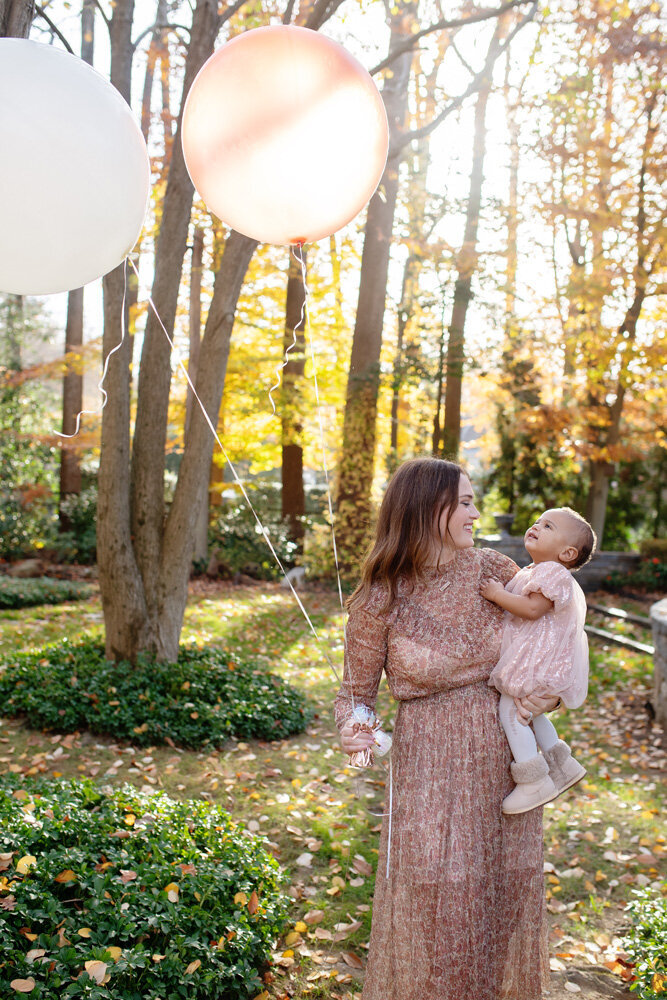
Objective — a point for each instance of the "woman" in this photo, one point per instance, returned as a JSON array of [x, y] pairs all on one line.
[[460, 915]]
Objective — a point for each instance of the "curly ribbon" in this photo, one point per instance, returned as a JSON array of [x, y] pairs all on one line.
[[105, 369]]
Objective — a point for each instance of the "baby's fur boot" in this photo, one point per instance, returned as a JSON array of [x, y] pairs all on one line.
[[534, 787], [564, 770]]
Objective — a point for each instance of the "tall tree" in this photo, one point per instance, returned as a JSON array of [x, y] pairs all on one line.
[[359, 431], [145, 552], [70, 466], [607, 157], [293, 505], [16, 17], [466, 261]]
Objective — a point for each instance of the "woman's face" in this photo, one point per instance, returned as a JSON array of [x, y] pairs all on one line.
[[456, 524]]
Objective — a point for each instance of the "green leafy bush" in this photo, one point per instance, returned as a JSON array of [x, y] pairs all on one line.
[[646, 944], [200, 701], [122, 895], [238, 543], [79, 543], [28, 593]]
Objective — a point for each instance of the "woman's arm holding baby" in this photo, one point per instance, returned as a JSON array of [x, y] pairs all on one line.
[[531, 606]]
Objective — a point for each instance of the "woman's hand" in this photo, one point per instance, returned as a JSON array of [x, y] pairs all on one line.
[[352, 738], [531, 705]]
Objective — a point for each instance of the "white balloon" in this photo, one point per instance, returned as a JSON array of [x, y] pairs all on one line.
[[74, 171]]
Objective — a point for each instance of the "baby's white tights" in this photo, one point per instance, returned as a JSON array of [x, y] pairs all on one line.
[[522, 738]]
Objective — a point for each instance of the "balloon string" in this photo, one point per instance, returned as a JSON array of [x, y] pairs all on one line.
[[279, 370], [238, 482], [299, 257], [105, 369]]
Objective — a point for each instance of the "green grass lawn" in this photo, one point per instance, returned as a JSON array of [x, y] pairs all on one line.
[[319, 817]]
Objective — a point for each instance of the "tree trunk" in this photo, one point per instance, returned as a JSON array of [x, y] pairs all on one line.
[[148, 452], [201, 530], [16, 17], [130, 519], [70, 466], [359, 430], [293, 498], [466, 266], [191, 488]]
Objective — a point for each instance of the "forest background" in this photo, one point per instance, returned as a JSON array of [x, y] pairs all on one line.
[[501, 302]]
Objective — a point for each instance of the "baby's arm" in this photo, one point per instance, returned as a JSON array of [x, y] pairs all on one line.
[[532, 606]]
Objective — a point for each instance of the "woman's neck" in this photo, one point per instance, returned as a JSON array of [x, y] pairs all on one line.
[[440, 557]]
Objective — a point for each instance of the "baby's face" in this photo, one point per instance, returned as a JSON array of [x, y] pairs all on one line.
[[553, 534]]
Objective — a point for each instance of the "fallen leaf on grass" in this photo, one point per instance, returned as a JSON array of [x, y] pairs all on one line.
[[253, 903], [172, 891], [352, 960], [192, 967], [23, 985], [96, 970], [23, 866], [362, 866]]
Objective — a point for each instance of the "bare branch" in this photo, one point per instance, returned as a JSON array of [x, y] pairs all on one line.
[[289, 10], [442, 25], [107, 20], [321, 12], [54, 29], [472, 87], [230, 11]]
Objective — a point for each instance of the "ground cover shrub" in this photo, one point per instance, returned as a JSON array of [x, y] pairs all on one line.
[[123, 895], [237, 540], [202, 700], [79, 542], [42, 590], [646, 944]]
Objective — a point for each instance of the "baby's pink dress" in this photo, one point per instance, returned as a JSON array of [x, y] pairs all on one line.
[[547, 657]]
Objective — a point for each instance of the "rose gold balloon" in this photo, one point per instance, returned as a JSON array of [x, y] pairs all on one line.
[[284, 134]]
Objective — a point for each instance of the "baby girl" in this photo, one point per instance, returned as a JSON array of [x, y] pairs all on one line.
[[544, 652]]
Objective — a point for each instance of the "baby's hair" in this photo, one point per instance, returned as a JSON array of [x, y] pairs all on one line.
[[586, 539]]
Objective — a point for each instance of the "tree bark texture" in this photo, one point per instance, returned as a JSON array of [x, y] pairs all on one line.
[[293, 498], [466, 265], [16, 17], [131, 507], [359, 426], [70, 466], [148, 452], [201, 528]]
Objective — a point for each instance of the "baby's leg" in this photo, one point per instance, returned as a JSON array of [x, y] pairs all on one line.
[[545, 732], [534, 787], [520, 738]]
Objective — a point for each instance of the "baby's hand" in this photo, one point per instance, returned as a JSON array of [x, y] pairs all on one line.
[[490, 588]]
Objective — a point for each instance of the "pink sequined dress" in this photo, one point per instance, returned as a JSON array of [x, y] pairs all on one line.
[[549, 656], [461, 914]]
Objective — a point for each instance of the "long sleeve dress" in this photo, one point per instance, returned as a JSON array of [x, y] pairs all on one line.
[[461, 914]]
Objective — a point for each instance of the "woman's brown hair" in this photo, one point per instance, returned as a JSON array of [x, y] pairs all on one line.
[[418, 493]]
